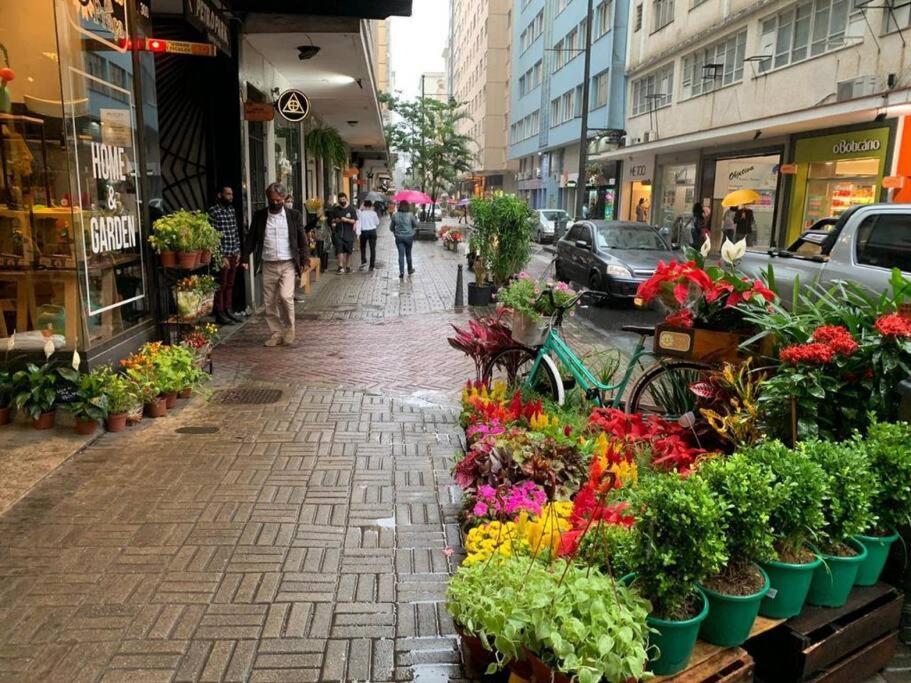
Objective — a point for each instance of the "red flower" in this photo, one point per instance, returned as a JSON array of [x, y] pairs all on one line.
[[838, 338], [682, 318], [894, 325], [761, 290], [810, 354]]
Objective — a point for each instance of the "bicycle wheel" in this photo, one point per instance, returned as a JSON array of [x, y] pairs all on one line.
[[664, 389], [512, 366]]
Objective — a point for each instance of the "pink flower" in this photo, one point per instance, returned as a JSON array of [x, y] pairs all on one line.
[[479, 509]]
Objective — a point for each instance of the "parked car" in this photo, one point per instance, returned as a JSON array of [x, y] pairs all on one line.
[[549, 222], [863, 246], [611, 256]]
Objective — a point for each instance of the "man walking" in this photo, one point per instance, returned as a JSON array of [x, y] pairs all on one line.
[[367, 223], [278, 242], [224, 219], [344, 218]]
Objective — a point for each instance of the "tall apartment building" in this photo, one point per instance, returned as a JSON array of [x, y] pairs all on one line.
[[381, 54], [479, 66], [548, 41], [802, 101]]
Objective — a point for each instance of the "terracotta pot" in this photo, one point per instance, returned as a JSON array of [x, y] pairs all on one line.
[[185, 393], [5, 413], [170, 399], [85, 426], [156, 408], [168, 259], [44, 421], [187, 259], [116, 423], [477, 657], [541, 673], [205, 257]]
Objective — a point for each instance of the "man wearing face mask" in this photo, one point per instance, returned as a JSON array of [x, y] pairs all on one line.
[[224, 219], [278, 243], [344, 218]]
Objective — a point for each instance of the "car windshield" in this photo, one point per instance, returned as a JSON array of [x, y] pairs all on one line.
[[628, 237], [553, 215]]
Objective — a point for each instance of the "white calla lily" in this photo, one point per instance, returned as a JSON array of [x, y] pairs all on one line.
[[77, 361], [49, 348], [706, 248], [731, 252]]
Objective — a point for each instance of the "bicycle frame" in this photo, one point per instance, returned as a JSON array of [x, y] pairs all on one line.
[[556, 347]]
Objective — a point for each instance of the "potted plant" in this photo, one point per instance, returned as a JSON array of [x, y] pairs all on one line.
[[889, 449], [850, 489], [795, 516], [532, 304], [677, 541], [500, 241], [181, 232], [209, 241], [122, 398], [35, 393], [164, 241], [6, 396], [143, 373], [735, 593], [91, 403], [169, 372], [195, 296]]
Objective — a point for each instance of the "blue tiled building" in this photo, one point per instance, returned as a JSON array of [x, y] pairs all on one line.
[[546, 98]]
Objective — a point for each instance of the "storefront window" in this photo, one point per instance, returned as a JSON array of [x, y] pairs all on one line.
[[760, 174], [288, 158], [678, 194], [835, 186]]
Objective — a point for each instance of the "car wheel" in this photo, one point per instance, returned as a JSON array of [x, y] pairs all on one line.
[[596, 283]]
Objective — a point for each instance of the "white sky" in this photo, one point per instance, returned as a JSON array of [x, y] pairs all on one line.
[[418, 42]]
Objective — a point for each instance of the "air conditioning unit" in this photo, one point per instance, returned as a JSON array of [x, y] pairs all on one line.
[[863, 86], [650, 136]]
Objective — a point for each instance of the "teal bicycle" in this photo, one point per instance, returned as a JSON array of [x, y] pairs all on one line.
[[662, 388]]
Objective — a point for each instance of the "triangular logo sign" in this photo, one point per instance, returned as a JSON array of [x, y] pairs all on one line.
[[293, 105]]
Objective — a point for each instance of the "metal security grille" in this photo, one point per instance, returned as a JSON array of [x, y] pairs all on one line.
[[251, 396]]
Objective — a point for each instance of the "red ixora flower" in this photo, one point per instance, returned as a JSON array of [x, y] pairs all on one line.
[[838, 338], [894, 325], [813, 353]]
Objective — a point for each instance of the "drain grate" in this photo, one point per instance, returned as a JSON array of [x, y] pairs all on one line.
[[202, 429], [247, 396]]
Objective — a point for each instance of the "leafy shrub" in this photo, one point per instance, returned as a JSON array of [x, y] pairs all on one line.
[[850, 489], [35, 388], [91, 402], [526, 295], [678, 540], [799, 486], [889, 449], [746, 488]]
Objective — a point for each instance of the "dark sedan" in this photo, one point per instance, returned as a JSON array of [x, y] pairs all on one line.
[[611, 256]]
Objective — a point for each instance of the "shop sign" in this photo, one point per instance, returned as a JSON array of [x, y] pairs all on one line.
[[104, 20], [638, 170], [788, 169], [210, 20], [853, 146], [185, 47], [894, 182], [258, 111], [293, 105]]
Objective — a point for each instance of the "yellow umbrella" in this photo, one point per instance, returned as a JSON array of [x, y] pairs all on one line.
[[740, 198]]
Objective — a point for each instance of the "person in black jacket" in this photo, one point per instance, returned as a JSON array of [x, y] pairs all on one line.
[[278, 242]]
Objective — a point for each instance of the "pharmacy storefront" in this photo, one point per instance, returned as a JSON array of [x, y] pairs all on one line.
[[834, 172]]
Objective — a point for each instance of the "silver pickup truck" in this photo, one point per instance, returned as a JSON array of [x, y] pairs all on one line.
[[863, 246]]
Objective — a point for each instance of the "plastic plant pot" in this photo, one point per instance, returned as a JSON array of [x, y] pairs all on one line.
[[675, 641], [878, 548], [834, 578], [790, 584], [731, 617]]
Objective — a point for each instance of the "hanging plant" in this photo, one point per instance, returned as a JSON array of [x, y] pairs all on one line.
[[326, 143]]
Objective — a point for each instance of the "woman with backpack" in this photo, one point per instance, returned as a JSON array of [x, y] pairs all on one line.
[[404, 225]]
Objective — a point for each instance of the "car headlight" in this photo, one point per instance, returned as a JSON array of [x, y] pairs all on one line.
[[618, 271]]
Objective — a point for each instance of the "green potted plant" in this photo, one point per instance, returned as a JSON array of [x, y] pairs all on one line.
[[735, 593], [209, 242], [91, 403], [532, 303], [182, 232], [122, 398], [168, 372], [889, 449], [677, 541], [164, 240], [794, 519], [144, 377], [35, 393], [847, 511], [6, 396]]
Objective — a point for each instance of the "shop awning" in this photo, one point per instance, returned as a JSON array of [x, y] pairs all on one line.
[[361, 9]]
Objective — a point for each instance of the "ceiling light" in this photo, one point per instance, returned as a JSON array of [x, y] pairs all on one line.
[[305, 52]]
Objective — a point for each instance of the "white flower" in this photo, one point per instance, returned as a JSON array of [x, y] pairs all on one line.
[[49, 348], [77, 361], [706, 248], [731, 252], [11, 342]]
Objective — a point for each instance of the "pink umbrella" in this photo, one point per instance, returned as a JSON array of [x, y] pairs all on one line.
[[412, 196]]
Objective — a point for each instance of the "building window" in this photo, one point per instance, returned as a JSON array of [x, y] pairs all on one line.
[[568, 106], [654, 90], [559, 56], [638, 24], [664, 13], [532, 32], [562, 5], [806, 30], [898, 18], [599, 90], [602, 18], [715, 66], [555, 113]]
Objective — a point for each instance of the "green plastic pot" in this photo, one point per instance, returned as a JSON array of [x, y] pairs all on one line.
[[834, 578], [672, 644], [789, 585], [878, 548], [731, 617]]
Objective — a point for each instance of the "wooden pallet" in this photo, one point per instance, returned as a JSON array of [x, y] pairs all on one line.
[[825, 644]]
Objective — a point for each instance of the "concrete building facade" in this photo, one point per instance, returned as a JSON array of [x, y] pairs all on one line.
[[479, 58], [801, 101], [548, 42]]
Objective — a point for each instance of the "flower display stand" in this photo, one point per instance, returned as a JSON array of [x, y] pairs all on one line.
[[824, 645]]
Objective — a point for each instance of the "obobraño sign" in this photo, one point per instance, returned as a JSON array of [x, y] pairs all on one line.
[[293, 105]]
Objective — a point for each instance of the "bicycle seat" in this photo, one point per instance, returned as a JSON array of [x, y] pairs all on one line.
[[639, 329]]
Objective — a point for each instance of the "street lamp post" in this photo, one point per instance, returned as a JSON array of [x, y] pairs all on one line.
[[583, 133]]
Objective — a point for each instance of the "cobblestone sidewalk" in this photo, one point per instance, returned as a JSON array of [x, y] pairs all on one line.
[[295, 540]]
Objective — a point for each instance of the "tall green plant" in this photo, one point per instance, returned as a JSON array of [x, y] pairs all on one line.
[[501, 239]]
